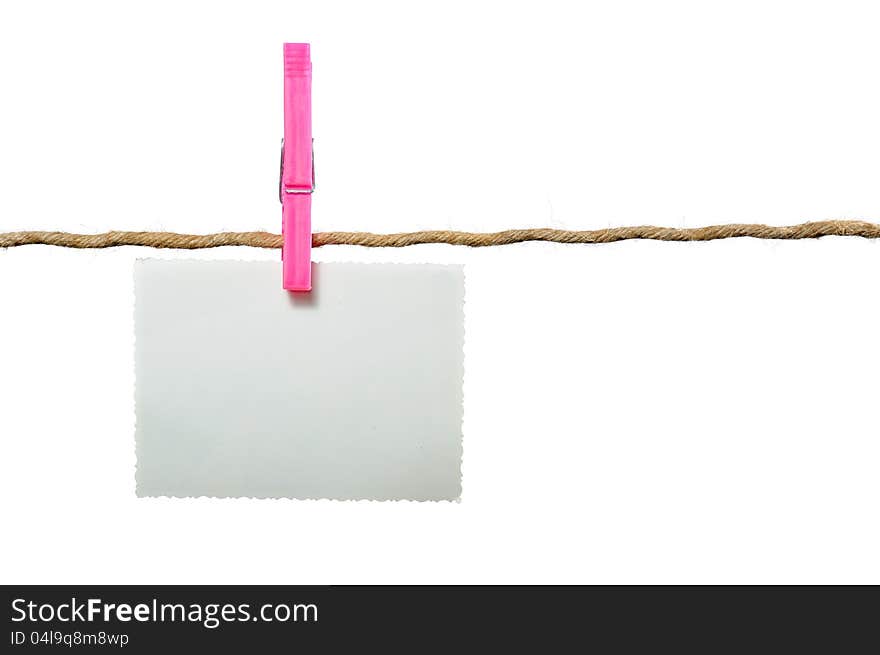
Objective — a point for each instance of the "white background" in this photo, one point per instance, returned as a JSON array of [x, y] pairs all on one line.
[[639, 412]]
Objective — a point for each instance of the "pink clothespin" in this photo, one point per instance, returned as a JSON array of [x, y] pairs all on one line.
[[297, 169]]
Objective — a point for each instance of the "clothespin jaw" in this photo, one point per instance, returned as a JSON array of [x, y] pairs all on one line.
[[297, 169]]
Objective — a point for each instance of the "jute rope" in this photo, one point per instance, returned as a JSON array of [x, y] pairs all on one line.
[[474, 239]]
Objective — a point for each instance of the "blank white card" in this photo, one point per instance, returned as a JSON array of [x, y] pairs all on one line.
[[352, 391]]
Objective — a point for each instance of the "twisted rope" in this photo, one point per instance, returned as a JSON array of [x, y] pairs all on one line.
[[473, 239]]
